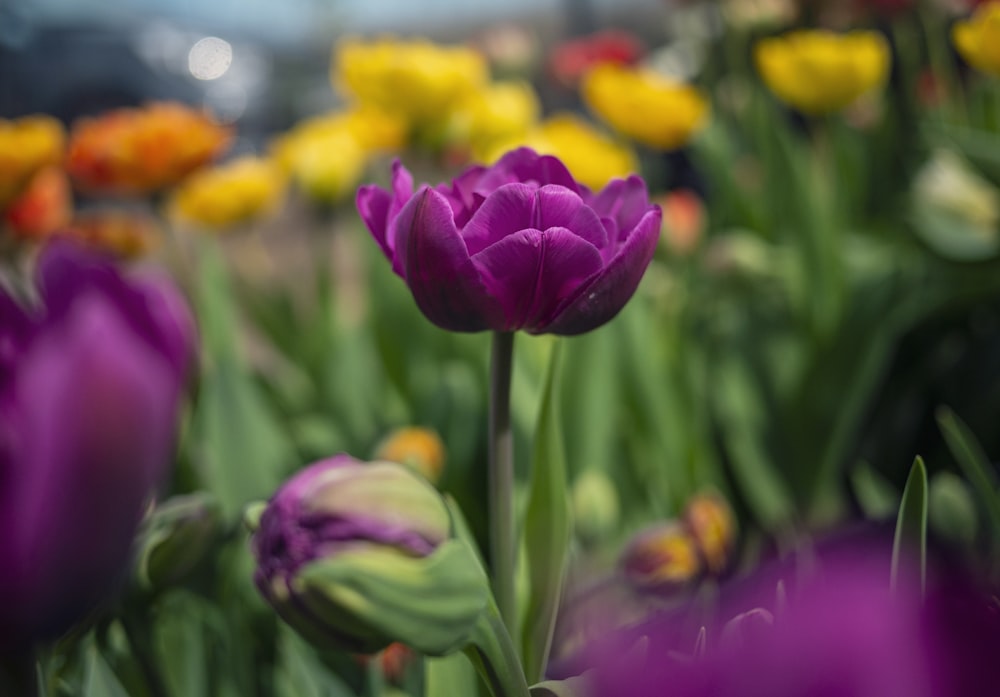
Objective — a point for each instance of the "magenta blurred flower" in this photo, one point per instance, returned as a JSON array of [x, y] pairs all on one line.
[[843, 633], [90, 381], [518, 245]]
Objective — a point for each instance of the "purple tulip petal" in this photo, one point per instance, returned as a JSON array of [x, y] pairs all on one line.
[[606, 294], [153, 308], [444, 281], [378, 207], [556, 206], [373, 205], [525, 165], [93, 411], [507, 211], [533, 271], [623, 200]]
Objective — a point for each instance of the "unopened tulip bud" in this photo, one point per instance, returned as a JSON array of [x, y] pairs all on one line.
[[595, 505], [358, 555], [661, 559], [419, 449], [178, 534], [710, 521]]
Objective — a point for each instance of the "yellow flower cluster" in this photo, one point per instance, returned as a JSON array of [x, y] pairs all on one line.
[[978, 39], [26, 146], [819, 72], [231, 194], [418, 80], [645, 106], [326, 155], [500, 111], [591, 156]]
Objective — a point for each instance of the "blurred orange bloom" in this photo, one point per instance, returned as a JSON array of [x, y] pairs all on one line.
[[43, 207], [26, 146], [126, 233], [139, 151], [683, 220]]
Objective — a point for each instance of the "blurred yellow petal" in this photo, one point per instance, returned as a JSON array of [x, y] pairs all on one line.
[[645, 106], [819, 72], [27, 145], [978, 38], [416, 79], [591, 156], [232, 194], [499, 111]]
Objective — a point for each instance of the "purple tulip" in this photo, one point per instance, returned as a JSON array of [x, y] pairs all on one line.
[[841, 633], [357, 555], [90, 381], [518, 245]]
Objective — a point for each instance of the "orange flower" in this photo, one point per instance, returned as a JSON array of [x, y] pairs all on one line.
[[44, 206], [125, 233], [27, 145], [139, 151]]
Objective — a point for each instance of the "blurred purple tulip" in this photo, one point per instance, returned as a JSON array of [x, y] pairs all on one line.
[[90, 382], [842, 633], [518, 245]]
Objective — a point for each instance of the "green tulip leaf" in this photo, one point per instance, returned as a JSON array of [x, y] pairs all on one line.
[[449, 676], [976, 467], [546, 528], [98, 678], [240, 452], [911, 524]]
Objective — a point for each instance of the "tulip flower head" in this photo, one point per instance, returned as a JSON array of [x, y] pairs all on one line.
[[819, 72], [232, 194], [26, 146], [978, 38], [358, 555], [592, 156], [842, 632], [90, 382], [518, 245], [141, 151], [640, 104]]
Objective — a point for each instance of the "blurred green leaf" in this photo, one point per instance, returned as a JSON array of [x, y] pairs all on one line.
[[546, 527], [300, 673], [179, 638], [911, 524], [952, 510], [742, 410], [450, 676], [876, 496], [98, 678], [976, 466], [239, 449]]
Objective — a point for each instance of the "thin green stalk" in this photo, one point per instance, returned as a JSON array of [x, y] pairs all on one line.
[[493, 654], [18, 673], [139, 641], [501, 466]]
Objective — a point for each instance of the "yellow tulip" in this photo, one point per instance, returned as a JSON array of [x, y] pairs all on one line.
[[819, 72], [645, 106], [499, 111], [26, 146], [978, 38], [592, 157], [327, 155], [231, 194], [419, 80], [420, 449]]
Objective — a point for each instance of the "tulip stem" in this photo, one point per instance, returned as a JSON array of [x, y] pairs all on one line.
[[501, 466], [138, 639], [19, 673], [493, 654]]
